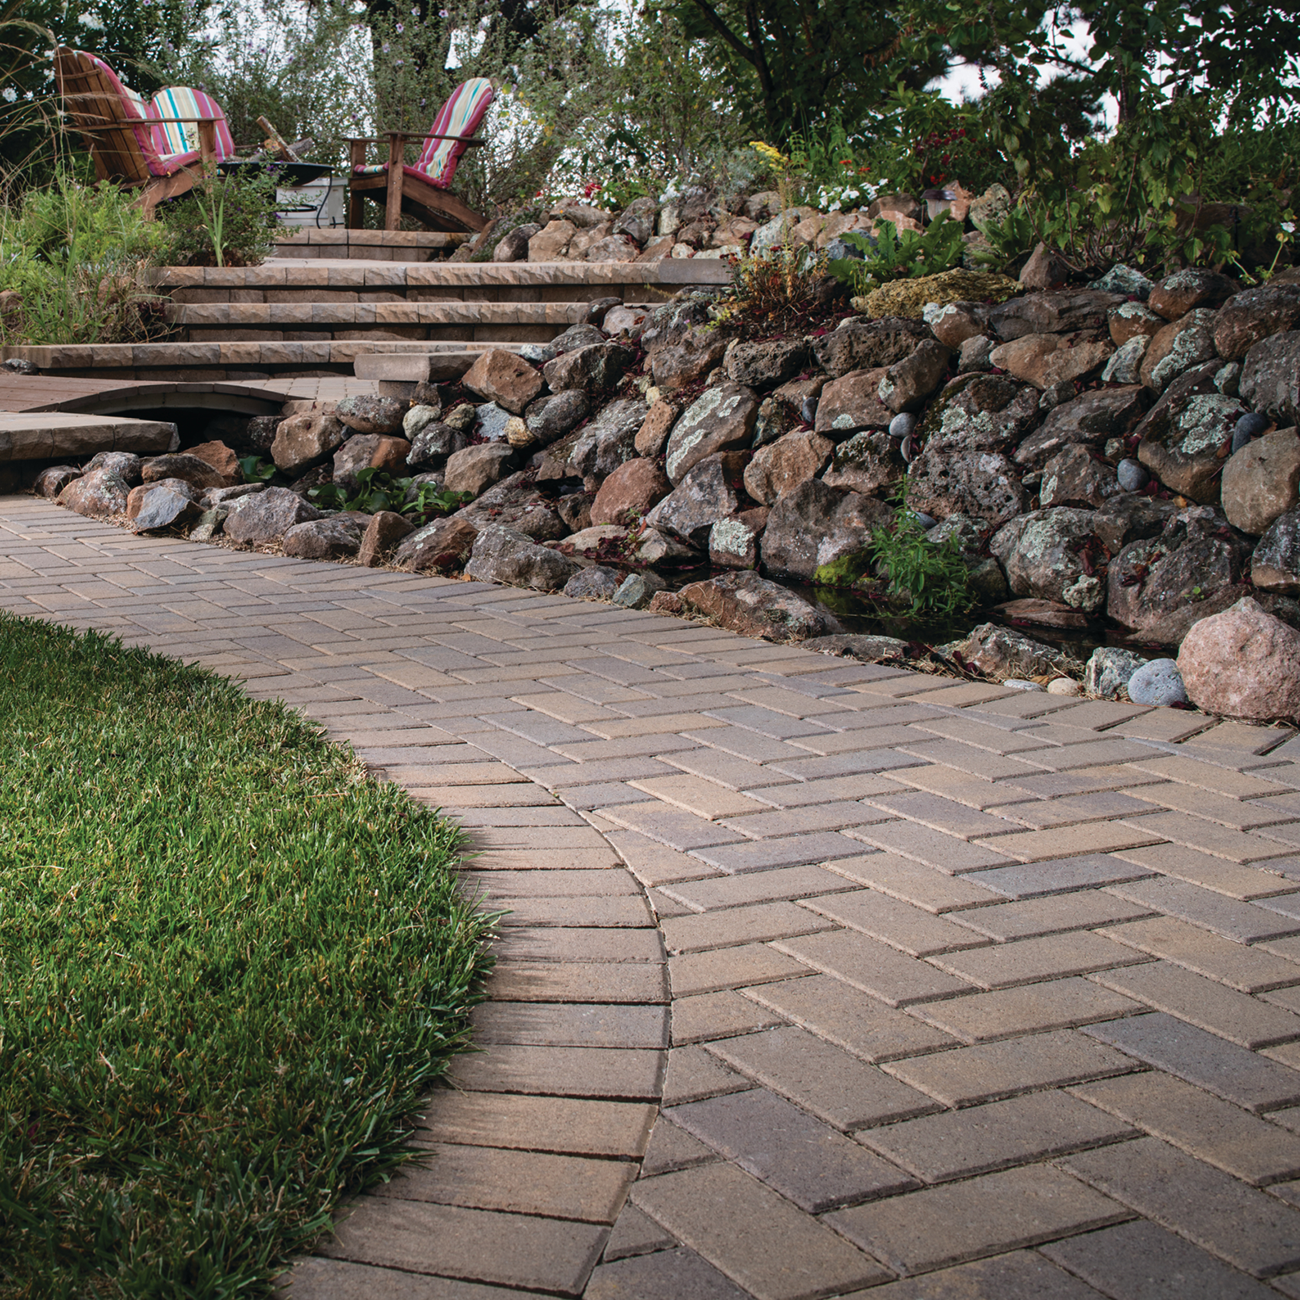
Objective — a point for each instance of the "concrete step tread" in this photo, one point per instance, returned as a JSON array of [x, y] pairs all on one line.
[[324, 315]]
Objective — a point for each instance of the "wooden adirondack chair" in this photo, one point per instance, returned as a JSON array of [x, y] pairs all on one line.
[[422, 191], [152, 146]]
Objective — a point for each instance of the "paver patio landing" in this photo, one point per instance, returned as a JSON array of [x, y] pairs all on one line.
[[819, 979]]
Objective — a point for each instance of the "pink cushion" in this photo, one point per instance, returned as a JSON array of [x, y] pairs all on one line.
[[460, 116]]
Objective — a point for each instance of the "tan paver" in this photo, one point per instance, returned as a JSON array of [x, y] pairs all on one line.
[[896, 929]]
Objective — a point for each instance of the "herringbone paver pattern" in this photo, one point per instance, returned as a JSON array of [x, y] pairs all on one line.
[[819, 979]]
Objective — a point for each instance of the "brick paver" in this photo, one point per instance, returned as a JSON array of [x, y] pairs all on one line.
[[819, 979]]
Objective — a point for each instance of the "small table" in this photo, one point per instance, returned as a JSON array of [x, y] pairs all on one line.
[[287, 176]]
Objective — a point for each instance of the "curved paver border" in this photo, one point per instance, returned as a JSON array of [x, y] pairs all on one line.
[[996, 986]]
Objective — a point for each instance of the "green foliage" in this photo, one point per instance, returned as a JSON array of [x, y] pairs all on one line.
[[931, 579], [772, 289], [231, 963], [76, 257], [899, 254], [377, 490], [256, 470], [227, 219]]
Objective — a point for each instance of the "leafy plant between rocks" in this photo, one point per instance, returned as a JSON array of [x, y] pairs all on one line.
[[378, 490], [894, 254], [226, 220], [931, 577]]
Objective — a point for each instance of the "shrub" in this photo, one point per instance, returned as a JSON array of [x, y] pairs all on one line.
[[226, 220], [929, 579]]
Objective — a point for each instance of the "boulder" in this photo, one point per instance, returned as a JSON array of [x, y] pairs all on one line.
[[859, 344], [1045, 360], [266, 516], [1184, 291], [1270, 377], [552, 242], [1002, 652], [865, 649], [1248, 318], [782, 466], [955, 323], [259, 434], [1157, 683], [630, 492], [766, 364], [624, 322], [1184, 442], [1054, 555], [1058, 311], [868, 463], [515, 502], [441, 545], [1243, 663], [710, 490], [676, 365], [613, 248], [333, 538], [1160, 586], [594, 583], [1180, 345], [221, 458], [385, 529], [734, 541], [125, 464], [608, 440], [549, 418], [368, 413], [980, 413], [1133, 320], [168, 504], [189, 469], [752, 606], [1075, 477], [135, 498], [720, 419], [1109, 669], [97, 494], [1044, 270], [637, 220], [815, 525], [582, 335], [492, 422], [1128, 517], [476, 468], [1275, 565], [52, 480], [852, 402], [984, 485], [638, 589], [514, 244], [502, 555], [593, 369], [652, 436], [907, 383], [1125, 364], [1262, 480], [504, 378], [599, 542], [369, 451], [1089, 419], [434, 443], [306, 439]]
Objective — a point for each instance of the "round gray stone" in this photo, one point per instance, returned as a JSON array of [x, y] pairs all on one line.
[[1157, 682], [1132, 475], [902, 425]]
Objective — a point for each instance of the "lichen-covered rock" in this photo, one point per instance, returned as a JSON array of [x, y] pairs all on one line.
[[955, 323], [907, 383], [189, 469], [1180, 345], [443, 544], [434, 442], [1181, 441], [1159, 587], [52, 480], [734, 541], [478, 467], [1089, 419], [1133, 320], [1262, 480], [1270, 377], [504, 378], [1075, 477], [1002, 652], [503, 555], [852, 402], [1177, 294], [865, 649], [324, 539], [868, 463], [765, 364], [1045, 360], [1058, 311], [125, 464], [1125, 364], [1053, 555], [1255, 314], [608, 440], [368, 413], [753, 606], [266, 516], [710, 490], [911, 297], [549, 418], [369, 451], [1275, 565], [984, 485], [815, 525], [980, 413], [1243, 663], [97, 494], [720, 419], [868, 345], [594, 583], [593, 369], [638, 589], [385, 529], [1109, 670], [781, 466], [1129, 517]]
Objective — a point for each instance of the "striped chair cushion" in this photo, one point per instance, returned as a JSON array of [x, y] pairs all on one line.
[[153, 144], [460, 116], [183, 136]]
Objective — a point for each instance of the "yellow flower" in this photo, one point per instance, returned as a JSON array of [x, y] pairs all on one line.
[[770, 152]]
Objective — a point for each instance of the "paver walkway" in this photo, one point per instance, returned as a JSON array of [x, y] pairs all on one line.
[[820, 978]]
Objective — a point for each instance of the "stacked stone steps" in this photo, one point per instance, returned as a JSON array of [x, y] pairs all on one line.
[[368, 245]]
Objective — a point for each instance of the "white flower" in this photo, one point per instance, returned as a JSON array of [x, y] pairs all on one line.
[[10, 94], [90, 22], [834, 207], [1289, 227]]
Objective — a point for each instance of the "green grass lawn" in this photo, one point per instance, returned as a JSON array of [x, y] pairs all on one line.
[[229, 964]]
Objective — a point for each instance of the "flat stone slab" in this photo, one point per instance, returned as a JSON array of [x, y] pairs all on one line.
[[58, 433]]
